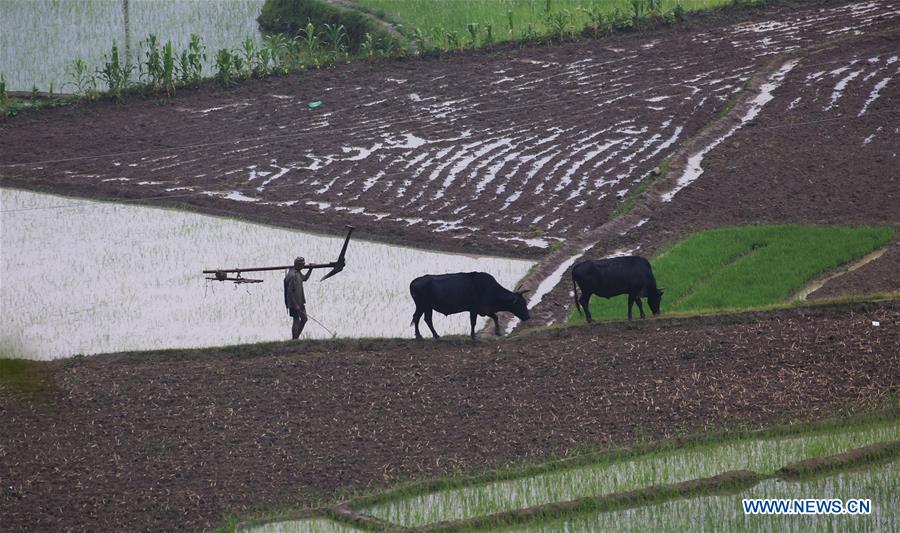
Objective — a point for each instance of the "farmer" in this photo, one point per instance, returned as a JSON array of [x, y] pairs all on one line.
[[293, 295]]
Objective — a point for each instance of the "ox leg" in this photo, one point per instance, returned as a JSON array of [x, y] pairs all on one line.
[[630, 304], [637, 300], [584, 300], [473, 317], [430, 325], [416, 316], [496, 324]]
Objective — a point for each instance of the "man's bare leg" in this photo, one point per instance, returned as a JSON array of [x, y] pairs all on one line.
[[297, 328]]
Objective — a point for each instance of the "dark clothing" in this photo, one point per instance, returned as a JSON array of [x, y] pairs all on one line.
[[298, 313], [293, 290]]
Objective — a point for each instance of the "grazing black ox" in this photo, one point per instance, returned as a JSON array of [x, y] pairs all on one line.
[[475, 292], [629, 275]]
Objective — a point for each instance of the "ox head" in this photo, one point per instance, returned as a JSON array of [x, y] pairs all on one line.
[[519, 305], [654, 299]]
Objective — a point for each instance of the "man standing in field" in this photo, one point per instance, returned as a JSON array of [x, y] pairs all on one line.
[[294, 299]]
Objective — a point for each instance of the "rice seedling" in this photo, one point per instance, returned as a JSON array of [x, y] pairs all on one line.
[[312, 525], [754, 266], [762, 455], [879, 483]]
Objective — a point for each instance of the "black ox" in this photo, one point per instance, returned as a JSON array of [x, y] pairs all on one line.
[[629, 275], [475, 292]]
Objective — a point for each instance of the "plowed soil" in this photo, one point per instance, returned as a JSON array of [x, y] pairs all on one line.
[[176, 440], [491, 152], [823, 151]]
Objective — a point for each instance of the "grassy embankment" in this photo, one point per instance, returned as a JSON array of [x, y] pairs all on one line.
[[745, 267]]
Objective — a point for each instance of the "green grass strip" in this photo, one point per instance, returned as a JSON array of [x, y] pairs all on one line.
[[746, 267], [608, 476], [517, 19], [25, 378]]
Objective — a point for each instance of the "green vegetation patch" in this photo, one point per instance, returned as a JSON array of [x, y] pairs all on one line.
[[311, 525], [880, 483], [474, 23], [746, 267], [24, 378], [610, 475], [292, 16]]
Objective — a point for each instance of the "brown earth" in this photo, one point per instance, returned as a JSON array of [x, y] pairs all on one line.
[[179, 439], [492, 152], [803, 159]]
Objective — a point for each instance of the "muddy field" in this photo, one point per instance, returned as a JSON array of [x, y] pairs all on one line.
[[176, 440], [822, 151], [502, 152]]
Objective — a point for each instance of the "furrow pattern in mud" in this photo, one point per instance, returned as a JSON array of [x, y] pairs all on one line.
[[505, 152]]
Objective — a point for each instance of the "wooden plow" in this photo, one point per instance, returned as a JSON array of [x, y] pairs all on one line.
[[222, 274]]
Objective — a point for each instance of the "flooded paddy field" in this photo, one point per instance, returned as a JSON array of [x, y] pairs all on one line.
[[39, 39], [544, 148], [764, 456], [880, 484], [82, 277], [204, 434]]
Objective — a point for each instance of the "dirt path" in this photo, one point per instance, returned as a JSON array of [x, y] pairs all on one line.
[[176, 440]]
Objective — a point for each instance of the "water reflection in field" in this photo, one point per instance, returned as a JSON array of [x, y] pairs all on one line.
[[82, 277]]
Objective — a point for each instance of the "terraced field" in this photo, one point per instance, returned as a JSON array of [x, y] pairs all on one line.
[[780, 115], [504, 152]]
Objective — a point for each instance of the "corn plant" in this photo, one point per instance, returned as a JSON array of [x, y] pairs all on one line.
[[310, 38], [452, 40], [509, 20], [488, 40], [191, 62], [367, 47], [560, 24], [225, 66], [152, 68], [83, 83], [596, 21], [248, 49], [278, 45], [34, 95], [472, 27], [238, 63], [335, 36], [422, 40], [167, 80], [263, 58], [4, 94], [115, 74], [637, 7]]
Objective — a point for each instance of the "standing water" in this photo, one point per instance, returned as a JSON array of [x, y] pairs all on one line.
[[82, 277], [39, 39]]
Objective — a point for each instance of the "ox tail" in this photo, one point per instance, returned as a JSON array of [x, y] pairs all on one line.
[[575, 290]]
